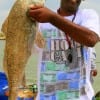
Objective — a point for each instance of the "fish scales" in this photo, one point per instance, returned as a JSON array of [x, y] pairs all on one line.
[[20, 33]]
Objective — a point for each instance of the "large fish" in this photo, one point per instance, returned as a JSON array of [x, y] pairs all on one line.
[[20, 33]]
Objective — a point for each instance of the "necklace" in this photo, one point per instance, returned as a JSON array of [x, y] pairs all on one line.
[[70, 57]]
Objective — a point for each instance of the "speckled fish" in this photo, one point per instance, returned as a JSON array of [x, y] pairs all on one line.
[[20, 33]]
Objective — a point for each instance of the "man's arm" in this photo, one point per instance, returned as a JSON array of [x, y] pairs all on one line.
[[93, 62], [84, 36]]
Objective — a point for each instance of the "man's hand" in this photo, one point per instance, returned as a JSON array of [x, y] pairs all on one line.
[[40, 13], [94, 72]]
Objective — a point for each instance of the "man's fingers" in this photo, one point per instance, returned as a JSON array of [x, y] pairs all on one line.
[[33, 10], [33, 13], [33, 7]]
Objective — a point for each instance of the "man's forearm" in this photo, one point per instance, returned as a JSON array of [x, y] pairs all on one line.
[[78, 33]]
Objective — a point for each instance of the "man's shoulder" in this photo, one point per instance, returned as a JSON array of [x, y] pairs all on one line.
[[87, 12]]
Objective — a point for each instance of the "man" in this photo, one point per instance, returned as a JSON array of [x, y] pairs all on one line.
[[64, 68]]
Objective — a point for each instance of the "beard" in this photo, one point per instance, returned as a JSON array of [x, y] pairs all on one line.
[[72, 10]]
